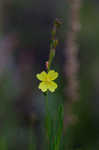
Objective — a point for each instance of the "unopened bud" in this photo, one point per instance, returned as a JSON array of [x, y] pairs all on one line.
[[46, 64], [58, 22]]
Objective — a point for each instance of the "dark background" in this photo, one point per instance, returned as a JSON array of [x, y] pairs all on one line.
[[25, 31]]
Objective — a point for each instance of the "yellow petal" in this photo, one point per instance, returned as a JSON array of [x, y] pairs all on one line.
[[43, 86], [52, 86], [52, 75], [42, 76]]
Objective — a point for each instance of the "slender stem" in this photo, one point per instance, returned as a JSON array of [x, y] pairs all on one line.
[[51, 56], [47, 120], [46, 103], [53, 43]]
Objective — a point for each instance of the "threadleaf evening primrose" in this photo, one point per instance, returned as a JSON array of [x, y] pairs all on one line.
[[47, 81]]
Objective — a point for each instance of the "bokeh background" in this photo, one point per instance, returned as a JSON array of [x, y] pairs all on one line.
[[25, 31]]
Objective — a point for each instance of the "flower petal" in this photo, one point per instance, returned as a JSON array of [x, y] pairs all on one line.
[[52, 75], [43, 86], [42, 76], [52, 86]]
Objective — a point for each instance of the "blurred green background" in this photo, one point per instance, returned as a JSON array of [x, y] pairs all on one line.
[[25, 31]]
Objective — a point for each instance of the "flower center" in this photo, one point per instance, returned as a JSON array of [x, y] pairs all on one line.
[[48, 79]]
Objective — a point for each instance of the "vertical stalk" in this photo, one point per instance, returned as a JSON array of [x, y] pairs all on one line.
[[53, 45], [47, 121]]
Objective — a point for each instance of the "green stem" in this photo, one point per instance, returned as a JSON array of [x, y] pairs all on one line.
[[51, 56], [48, 123], [54, 43], [46, 103]]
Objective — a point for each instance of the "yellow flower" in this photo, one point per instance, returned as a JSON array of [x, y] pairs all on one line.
[[47, 80]]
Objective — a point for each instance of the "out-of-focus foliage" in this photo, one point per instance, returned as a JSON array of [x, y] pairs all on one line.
[[25, 43]]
